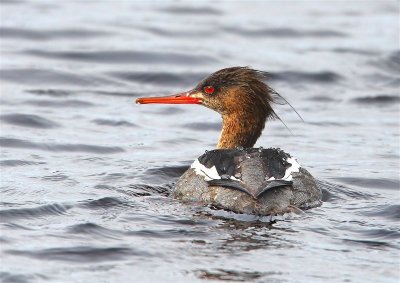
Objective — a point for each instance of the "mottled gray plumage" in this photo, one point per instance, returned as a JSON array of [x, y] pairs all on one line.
[[300, 193]]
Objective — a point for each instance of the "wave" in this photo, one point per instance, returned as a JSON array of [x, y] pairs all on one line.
[[50, 92], [203, 126], [283, 32], [378, 99], [105, 202], [381, 183], [40, 35], [34, 212], [386, 211], [31, 76], [90, 228], [18, 143], [389, 63], [163, 78], [80, 253], [8, 277], [59, 104], [16, 162], [300, 77], [124, 57], [192, 11], [27, 120], [167, 172], [113, 123]]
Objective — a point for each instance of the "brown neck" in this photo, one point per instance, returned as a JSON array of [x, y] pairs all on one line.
[[240, 130]]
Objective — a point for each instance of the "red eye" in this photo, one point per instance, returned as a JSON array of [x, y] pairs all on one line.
[[209, 89]]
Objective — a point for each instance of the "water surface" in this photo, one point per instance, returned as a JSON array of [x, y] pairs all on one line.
[[86, 173]]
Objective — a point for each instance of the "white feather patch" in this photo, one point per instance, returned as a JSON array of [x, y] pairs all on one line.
[[212, 173], [294, 168], [208, 173], [235, 179]]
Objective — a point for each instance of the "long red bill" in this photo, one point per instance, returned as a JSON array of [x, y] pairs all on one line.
[[180, 98]]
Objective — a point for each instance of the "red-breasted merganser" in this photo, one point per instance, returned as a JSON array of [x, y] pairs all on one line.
[[236, 176]]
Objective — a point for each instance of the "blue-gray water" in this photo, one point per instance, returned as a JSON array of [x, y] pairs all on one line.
[[85, 172]]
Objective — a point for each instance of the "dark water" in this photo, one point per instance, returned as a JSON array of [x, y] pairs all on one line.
[[85, 173]]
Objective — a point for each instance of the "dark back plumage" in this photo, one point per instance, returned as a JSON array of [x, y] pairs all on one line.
[[251, 170]]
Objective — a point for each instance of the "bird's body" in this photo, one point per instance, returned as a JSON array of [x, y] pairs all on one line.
[[252, 181], [236, 176]]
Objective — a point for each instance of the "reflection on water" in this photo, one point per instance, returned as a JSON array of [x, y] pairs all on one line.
[[86, 174]]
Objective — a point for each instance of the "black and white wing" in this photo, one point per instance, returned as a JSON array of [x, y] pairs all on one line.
[[251, 170]]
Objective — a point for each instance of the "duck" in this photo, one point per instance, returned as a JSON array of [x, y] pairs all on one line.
[[235, 176]]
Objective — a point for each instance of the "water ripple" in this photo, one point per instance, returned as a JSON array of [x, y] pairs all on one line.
[[375, 237], [50, 92], [169, 110], [283, 32], [355, 51], [93, 229], [118, 93], [383, 99], [347, 50], [320, 98], [386, 211], [335, 192], [34, 212], [81, 253], [230, 275], [7, 277], [40, 35], [15, 162], [299, 77], [368, 243], [157, 78], [371, 182], [62, 93], [203, 126], [124, 57], [13, 2], [167, 233], [165, 174], [27, 120], [105, 202], [192, 11], [32, 76], [56, 177], [121, 123], [390, 63], [18, 143], [177, 33], [59, 104]]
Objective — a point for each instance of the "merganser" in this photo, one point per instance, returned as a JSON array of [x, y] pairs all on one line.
[[235, 176]]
